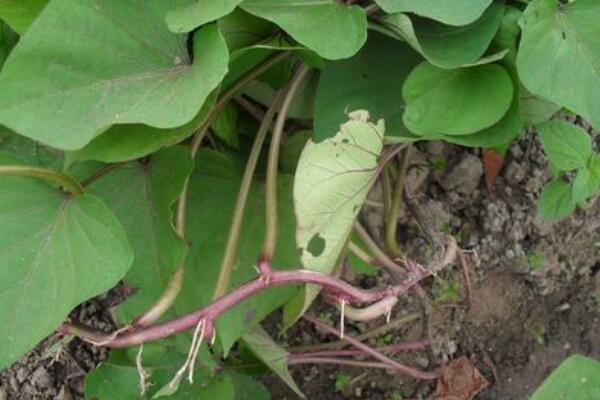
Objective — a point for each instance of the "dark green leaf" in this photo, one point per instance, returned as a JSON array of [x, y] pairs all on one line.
[[291, 150], [362, 83], [8, 39], [455, 102], [19, 14], [331, 29], [559, 55], [566, 145], [225, 125], [214, 186], [141, 195], [191, 16], [57, 251], [451, 12], [556, 201], [124, 75], [577, 377], [241, 29]]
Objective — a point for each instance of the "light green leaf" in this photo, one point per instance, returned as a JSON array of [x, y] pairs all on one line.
[[332, 30], [361, 83], [19, 14], [131, 141], [451, 12], [213, 190], [447, 46], [536, 109], [556, 201], [559, 55], [270, 353], [57, 251], [124, 75], [189, 17], [577, 377], [587, 181], [332, 180], [141, 195], [455, 102], [566, 145]]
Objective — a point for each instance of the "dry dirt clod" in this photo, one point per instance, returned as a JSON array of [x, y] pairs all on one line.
[[460, 380]]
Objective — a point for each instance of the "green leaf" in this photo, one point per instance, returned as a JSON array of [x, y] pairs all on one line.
[[358, 264], [566, 145], [536, 109], [57, 251], [451, 12], [292, 149], [225, 125], [556, 201], [447, 46], [332, 180], [118, 378], [124, 75], [501, 133], [270, 353], [141, 195], [213, 191], [332, 30], [8, 39], [19, 14], [190, 16], [361, 83], [577, 377], [302, 106], [587, 182], [559, 55], [30, 152], [130, 141], [455, 102], [241, 29]]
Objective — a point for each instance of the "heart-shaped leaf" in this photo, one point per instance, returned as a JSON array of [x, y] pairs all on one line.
[[559, 55], [57, 251], [64, 84], [566, 145]]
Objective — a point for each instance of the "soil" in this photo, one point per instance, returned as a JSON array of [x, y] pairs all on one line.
[[533, 299]]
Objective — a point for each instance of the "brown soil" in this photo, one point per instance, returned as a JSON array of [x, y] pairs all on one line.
[[532, 301]]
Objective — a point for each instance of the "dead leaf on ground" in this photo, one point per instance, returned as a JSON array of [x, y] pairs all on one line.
[[492, 163], [460, 380]]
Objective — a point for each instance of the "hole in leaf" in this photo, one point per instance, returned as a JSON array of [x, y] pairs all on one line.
[[316, 245]]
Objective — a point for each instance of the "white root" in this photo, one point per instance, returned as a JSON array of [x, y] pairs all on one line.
[[142, 374]]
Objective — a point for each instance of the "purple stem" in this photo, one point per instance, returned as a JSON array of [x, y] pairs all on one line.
[[341, 289], [367, 350], [393, 348]]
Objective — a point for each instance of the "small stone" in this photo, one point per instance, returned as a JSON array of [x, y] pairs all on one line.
[[3, 394], [465, 176], [22, 374], [14, 384], [41, 377]]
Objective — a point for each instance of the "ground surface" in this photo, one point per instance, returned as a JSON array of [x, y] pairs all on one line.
[[532, 298]]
